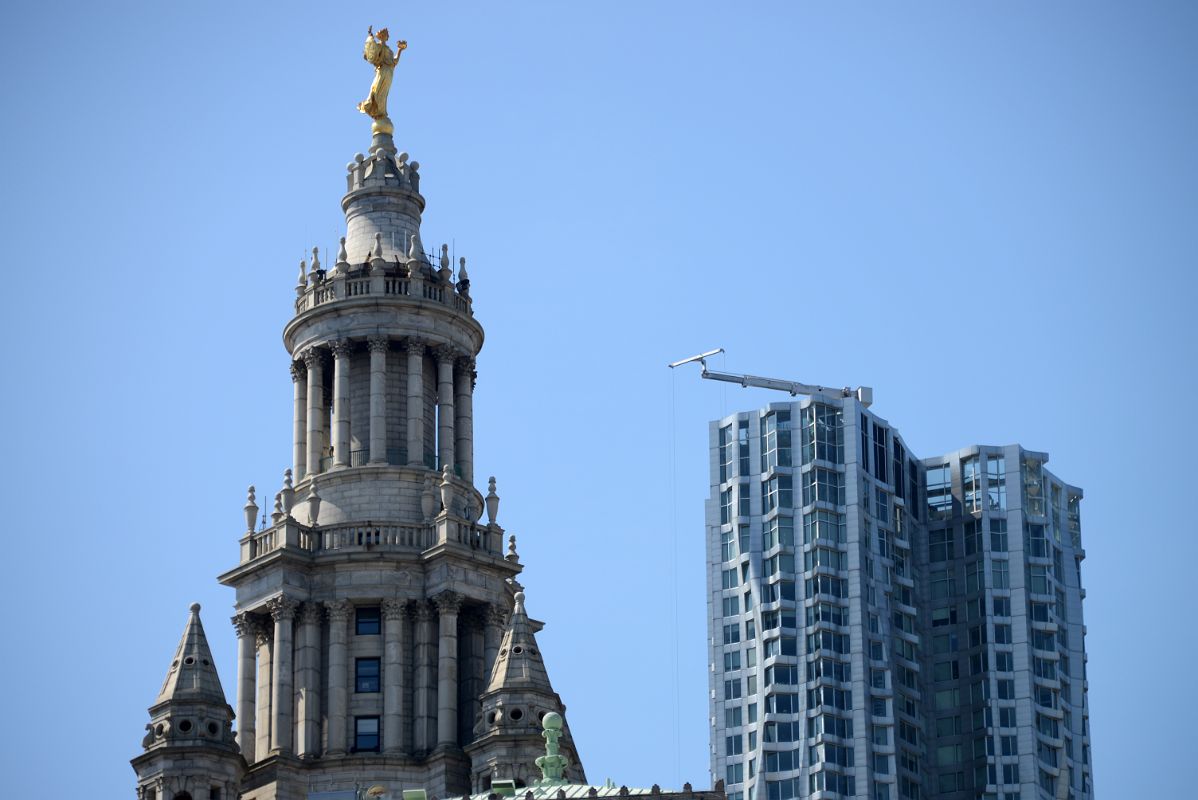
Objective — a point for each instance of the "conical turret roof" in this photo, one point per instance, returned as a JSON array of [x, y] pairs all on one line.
[[192, 676], [519, 664]]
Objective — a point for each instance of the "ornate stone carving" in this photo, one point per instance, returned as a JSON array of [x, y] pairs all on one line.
[[421, 611], [264, 631], [415, 347], [444, 353], [378, 344], [342, 348], [496, 616], [394, 608], [339, 610], [448, 602], [282, 607], [311, 613], [299, 371], [244, 624], [313, 357], [465, 364]]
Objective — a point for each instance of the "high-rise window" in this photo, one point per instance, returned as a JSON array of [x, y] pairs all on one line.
[[823, 485], [996, 483], [971, 484], [939, 482], [820, 524], [778, 492], [742, 446], [725, 452], [823, 434], [775, 440]]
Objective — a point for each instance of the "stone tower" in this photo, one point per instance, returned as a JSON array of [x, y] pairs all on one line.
[[189, 747], [370, 609]]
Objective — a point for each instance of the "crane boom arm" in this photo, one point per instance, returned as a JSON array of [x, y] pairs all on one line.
[[863, 393]]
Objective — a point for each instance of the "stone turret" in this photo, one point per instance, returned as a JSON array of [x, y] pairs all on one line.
[[190, 751], [518, 702]]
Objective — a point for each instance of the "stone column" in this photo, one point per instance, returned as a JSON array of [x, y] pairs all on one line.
[[339, 612], [464, 422], [448, 605], [378, 345], [282, 609], [308, 681], [314, 361], [342, 351], [493, 625], [299, 413], [445, 358], [246, 644], [394, 614], [262, 637], [423, 697], [415, 402]]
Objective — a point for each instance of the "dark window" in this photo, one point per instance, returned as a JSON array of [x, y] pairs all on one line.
[[368, 621], [366, 734], [366, 675]]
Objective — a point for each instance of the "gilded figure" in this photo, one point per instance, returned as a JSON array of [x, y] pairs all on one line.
[[378, 53]]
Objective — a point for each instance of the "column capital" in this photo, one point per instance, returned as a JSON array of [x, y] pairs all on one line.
[[342, 348], [299, 370], [393, 608], [311, 613], [465, 364], [244, 623], [415, 347], [339, 610], [264, 632], [378, 344], [445, 353], [313, 357], [448, 602], [282, 607], [496, 616], [421, 611]]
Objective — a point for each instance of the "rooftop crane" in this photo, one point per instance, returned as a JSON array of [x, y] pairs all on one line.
[[864, 394]]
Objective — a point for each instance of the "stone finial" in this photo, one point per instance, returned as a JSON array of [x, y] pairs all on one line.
[[414, 176], [492, 501], [313, 505], [342, 256], [277, 515], [378, 246], [444, 256], [315, 260], [288, 492], [512, 555], [301, 280], [251, 509], [447, 488], [553, 764], [413, 252]]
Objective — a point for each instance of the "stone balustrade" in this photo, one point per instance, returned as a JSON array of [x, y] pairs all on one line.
[[447, 529], [394, 282]]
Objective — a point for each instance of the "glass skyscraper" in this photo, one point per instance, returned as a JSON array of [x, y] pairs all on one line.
[[884, 626]]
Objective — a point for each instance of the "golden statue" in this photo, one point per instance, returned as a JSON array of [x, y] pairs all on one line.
[[379, 54]]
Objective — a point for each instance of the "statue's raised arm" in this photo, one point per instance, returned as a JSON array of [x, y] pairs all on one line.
[[379, 54]]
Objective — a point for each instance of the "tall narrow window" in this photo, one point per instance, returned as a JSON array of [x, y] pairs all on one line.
[[775, 440], [940, 492], [742, 445], [971, 483], [996, 481], [725, 437], [880, 459]]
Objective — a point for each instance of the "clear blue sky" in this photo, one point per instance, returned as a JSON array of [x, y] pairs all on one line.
[[987, 211]]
